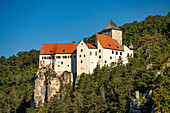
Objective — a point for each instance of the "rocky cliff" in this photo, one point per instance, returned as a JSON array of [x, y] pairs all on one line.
[[47, 83]]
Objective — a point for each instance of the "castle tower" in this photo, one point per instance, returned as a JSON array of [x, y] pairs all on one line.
[[113, 31], [131, 46]]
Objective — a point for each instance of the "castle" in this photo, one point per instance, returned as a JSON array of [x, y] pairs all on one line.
[[83, 57]]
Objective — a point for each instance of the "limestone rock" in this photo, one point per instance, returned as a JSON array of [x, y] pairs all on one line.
[[47, 84]]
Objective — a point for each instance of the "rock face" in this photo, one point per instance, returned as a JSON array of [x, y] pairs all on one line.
[[140, 103], [47, 84], [137, 103]]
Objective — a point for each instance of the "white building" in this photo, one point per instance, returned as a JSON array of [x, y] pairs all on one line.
[[83, 57]]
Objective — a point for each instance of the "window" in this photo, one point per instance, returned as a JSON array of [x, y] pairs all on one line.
[[63, 50], [105, 61], [117, 46], [96, 53], [116, 53], [80, 55], [100, 56], [81, 43], [48, 57], [64, 57], [70, 56], [67, 65], [58, 57], [58, 65], [99, 50], [53, 57], [74, 56], [109, 45], [42, 57], [112, 52], [120, 53], [81, 61], [90, 53], [81, 50], [110, 57], [61, 62], [84, 55]]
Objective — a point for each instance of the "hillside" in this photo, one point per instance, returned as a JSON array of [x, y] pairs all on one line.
[[109, 89]]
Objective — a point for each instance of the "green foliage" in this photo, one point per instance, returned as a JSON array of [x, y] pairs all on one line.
[[16, 83]]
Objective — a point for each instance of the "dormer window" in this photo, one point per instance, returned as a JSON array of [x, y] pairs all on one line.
[[63, 50], [109, 45], [51, 51], [117, 46]]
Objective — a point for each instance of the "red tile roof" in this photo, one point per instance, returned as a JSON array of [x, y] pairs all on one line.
[[108, 42], [58, 48], [90, 46]]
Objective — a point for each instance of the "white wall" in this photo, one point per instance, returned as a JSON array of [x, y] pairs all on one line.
[[99, 47], [45, 62], [92, 60], [60, 64], [82, 67], [127, 52], [107, 53]]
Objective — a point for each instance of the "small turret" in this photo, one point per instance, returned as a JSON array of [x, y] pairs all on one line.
[[131, 46]]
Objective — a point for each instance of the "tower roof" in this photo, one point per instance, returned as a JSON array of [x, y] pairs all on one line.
[[131, 46], [111, 25]]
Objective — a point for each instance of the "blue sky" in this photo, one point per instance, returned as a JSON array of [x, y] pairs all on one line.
[[26, 24]]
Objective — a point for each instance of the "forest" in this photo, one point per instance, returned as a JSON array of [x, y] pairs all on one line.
[[107, 89]]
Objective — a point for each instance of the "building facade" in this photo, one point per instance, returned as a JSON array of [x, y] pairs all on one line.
[[83, 57]]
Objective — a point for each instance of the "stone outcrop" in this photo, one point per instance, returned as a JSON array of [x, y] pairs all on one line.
[[47, 84], [138, 103]]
